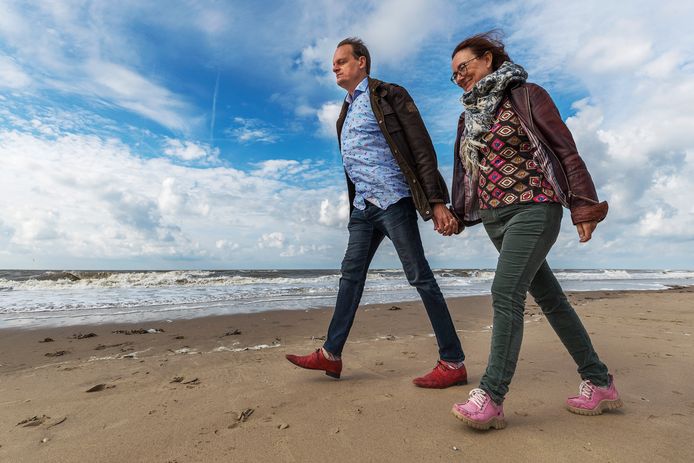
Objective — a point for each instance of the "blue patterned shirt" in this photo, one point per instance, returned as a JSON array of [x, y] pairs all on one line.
[[367, 157]]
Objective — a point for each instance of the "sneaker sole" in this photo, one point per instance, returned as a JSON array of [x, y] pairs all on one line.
[[601, 407], [495, 423]]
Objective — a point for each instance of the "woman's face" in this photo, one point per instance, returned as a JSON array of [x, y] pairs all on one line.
[[468, 68]]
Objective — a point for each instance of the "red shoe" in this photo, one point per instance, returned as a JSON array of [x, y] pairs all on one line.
[[442, 376], [317, 361]]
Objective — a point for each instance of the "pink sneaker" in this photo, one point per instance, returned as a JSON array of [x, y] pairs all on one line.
[[593, 400], [480, 411]]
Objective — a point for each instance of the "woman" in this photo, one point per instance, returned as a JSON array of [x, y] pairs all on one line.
[[516, 164]]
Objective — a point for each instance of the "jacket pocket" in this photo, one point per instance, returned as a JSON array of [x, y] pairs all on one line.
[[390, 118]]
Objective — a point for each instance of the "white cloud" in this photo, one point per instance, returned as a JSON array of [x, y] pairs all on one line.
[[36, 225], [68, 189], [91, 198], [327, 118], [318, 55], [253, 131], [397, 29], [174, 199], [190, 151], [129, 89], [227, 245], [271, 240], [334, 214], [66, 44], [304, 110], [633, 129], [620, 49], [11, 74], [280, 168], [299, 250]]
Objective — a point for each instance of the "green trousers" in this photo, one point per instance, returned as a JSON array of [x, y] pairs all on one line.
[[523, 235]]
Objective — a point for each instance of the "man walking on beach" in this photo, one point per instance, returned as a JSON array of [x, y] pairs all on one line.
[[392, 174]]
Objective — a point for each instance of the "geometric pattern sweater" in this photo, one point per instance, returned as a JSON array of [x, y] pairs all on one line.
[[508, 175]]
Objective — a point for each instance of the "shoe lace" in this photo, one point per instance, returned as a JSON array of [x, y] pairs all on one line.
[[585, 389], [478, 397]]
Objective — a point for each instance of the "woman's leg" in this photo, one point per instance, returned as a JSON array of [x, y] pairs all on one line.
[[523, 235], [564, 320]]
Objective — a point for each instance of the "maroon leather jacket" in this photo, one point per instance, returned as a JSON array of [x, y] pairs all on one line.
[[554, 151]]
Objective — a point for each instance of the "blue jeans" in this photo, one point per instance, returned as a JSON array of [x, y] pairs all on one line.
[[367, 229]]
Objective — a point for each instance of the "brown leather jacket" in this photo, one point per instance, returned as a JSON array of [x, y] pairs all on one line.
[[409, 141], [554, 151]]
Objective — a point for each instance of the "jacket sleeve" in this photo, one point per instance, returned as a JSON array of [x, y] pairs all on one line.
[[583, 200], [420, 144], [457, 185]]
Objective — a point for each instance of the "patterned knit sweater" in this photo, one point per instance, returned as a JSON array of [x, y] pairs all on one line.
[[508, 174]]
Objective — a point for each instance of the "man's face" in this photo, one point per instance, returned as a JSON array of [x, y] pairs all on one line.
[[349, 71]]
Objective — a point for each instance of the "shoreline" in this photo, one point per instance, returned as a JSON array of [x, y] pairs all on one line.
[[219, 389], [164, 321]]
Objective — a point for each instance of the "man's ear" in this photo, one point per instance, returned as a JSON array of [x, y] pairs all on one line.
[[362, 62]]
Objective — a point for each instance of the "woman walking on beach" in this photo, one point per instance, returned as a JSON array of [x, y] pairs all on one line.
[[516, 164]]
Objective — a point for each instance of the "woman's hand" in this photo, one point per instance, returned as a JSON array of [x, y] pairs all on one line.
[[444, 221], [585, 230]]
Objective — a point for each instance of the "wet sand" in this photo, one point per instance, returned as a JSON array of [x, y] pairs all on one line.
[[219, 389]]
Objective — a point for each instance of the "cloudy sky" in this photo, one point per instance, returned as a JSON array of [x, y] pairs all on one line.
[[200, 134]]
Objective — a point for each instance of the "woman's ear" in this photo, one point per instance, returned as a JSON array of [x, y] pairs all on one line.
[[488, 59]]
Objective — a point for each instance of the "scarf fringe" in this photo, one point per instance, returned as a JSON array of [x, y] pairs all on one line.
[[469, 154]]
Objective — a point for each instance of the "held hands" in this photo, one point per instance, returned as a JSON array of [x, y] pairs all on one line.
[[585, 230], [444, 221]]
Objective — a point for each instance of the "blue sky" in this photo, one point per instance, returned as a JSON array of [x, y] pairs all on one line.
[[157, 135]]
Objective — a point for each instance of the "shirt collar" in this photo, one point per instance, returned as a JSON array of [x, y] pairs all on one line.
[[361, 88]]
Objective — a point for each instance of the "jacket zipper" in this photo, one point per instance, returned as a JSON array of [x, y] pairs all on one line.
[[569, 193]]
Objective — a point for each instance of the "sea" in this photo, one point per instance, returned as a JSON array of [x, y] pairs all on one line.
[[43, 298]]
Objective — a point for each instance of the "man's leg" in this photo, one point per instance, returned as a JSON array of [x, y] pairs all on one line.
[[399, 223], [364, 240]]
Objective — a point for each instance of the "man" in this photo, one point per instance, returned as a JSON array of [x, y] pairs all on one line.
[[391, 171]]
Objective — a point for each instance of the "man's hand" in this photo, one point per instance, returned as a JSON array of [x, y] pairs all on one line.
[[444, 222], [585, 230]]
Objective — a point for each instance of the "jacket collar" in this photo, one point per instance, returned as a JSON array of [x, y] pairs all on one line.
[[377, 88]]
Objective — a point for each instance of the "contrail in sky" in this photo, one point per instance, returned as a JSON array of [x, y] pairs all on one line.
[[214, 109]]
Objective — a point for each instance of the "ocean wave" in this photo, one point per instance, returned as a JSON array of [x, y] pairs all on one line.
[[285, 279], [62, 280], [591, 275]]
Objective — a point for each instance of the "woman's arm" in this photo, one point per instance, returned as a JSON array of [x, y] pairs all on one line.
[[583, 200]]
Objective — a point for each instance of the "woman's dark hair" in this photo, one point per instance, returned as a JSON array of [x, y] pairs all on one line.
[[485, 42], [358, 50]]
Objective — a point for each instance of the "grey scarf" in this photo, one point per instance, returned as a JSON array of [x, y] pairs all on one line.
[[480, 108]]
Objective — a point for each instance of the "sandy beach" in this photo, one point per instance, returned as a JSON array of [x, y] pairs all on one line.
[[219, 389]]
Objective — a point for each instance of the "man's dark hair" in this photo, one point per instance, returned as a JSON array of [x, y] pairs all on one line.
[[479, 44], [358, 50]]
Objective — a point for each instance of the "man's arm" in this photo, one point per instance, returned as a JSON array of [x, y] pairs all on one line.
[[421, 147]]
